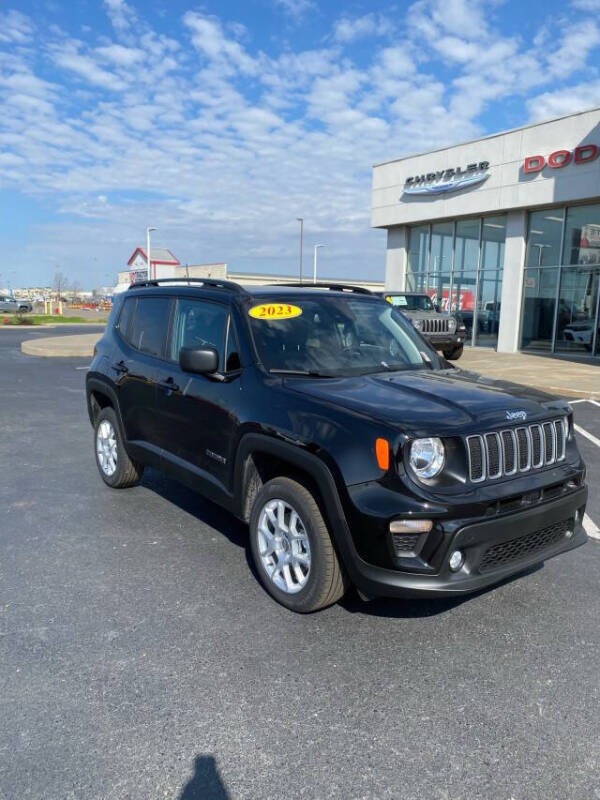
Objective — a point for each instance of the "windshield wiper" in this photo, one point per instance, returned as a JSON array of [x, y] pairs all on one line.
[[312, 373]]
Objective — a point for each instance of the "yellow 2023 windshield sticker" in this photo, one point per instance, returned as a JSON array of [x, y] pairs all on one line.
[[275, 311]]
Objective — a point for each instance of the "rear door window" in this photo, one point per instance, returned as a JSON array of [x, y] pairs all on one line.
[[148, 329]]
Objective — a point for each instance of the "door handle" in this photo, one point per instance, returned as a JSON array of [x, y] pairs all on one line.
[[168, 385], [121, 367]]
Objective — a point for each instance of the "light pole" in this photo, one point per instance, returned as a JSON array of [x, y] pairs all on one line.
[[301, 221], [315, 261], [148, 252]]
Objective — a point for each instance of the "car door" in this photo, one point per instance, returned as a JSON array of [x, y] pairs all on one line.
[[142, 329], [198, 415]]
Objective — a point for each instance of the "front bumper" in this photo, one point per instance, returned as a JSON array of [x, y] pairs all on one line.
[[510, 535], [444, 341]]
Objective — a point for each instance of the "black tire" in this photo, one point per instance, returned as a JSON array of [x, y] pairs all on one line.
[[454, 353], [327, 581], [128, 472]]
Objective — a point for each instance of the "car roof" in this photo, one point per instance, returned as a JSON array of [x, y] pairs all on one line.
[[227, 290]]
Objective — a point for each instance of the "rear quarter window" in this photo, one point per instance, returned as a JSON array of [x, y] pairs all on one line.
[[147, 331]]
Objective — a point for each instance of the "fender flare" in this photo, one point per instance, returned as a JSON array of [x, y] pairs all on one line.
[[94, 384], [317, 469]]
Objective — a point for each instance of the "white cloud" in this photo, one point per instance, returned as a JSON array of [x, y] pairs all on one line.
[[121, 14], [15, 27], [296, 9], [88, 69], [564, 101], [347, 29], [574, 48], [587, 5], [209, 39], [119, 55]]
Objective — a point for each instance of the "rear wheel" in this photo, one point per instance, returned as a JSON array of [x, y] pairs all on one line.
[[116, 468], [453, 353], [292, 548]]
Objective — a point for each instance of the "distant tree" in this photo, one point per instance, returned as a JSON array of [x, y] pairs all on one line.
[[76, 289], [60, 282]]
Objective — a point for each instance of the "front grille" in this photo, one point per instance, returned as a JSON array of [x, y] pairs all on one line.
[[435, 325], [504, 453], [516, 549]]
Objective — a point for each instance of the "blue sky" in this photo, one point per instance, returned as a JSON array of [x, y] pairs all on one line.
[[222, 123]]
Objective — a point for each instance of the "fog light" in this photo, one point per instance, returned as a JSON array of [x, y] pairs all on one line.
[[569, 533], [457, 559], [411, 526]]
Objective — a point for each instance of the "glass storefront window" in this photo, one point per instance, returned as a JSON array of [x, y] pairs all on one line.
[[488, 308], [538, 308], [577, 302], [463, 297], [439, 289], [418, 249], [582, 235], [466, 247], [442, 234], [493, 235], [416, 282], [544, 237]]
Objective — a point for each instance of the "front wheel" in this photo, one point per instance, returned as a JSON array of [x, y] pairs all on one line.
[[115, 467], [454, 353], [292, 548]]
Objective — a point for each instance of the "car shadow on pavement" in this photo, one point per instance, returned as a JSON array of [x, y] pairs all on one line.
[[198, 506], [414, 608], [205, 783]]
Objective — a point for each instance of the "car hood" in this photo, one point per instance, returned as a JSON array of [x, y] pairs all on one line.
[[444, 401]]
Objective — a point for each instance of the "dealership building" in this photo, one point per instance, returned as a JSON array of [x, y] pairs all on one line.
[[504, 230]]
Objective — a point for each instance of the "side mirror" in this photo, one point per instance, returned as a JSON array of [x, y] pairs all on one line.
[[437, 308], [203, 361]]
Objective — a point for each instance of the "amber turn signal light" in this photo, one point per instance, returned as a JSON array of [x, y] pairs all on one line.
[[382, 451]]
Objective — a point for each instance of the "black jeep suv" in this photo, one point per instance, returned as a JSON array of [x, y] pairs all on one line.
[[356, 454]]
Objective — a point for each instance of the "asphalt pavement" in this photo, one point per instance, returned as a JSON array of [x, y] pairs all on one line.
[[140, 658]]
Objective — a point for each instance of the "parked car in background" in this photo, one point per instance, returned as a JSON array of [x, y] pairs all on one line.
[[444, 331], [13, 304]]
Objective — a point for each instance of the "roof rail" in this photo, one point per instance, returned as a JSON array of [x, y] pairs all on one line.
[[337, 287], [212, 283]]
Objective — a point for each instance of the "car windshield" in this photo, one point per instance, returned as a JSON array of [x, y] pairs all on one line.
[[411, 302], [335, 336]]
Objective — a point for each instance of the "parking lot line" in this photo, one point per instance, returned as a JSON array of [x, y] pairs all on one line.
[[591, 528], [587, 435]]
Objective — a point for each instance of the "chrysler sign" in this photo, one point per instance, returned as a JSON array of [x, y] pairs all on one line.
[[447, 180]]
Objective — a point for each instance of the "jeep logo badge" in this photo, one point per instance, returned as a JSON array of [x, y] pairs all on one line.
[[522, 415]]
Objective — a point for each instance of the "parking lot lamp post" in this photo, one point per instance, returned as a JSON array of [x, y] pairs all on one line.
[[148, 252], [315, 261], [301, 221]]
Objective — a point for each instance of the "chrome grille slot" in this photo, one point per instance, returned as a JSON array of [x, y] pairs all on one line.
[[537, 456], [550, 442], [560, 426], [524, 449], [493, 453], [509, 449], [476, 458], [499, 454]]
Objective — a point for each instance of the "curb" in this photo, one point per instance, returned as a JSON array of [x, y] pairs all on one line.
[[76, 346]]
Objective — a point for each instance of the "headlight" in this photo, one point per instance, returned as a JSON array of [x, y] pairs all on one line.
[[418, 324], [452, 325], [427, 457]]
